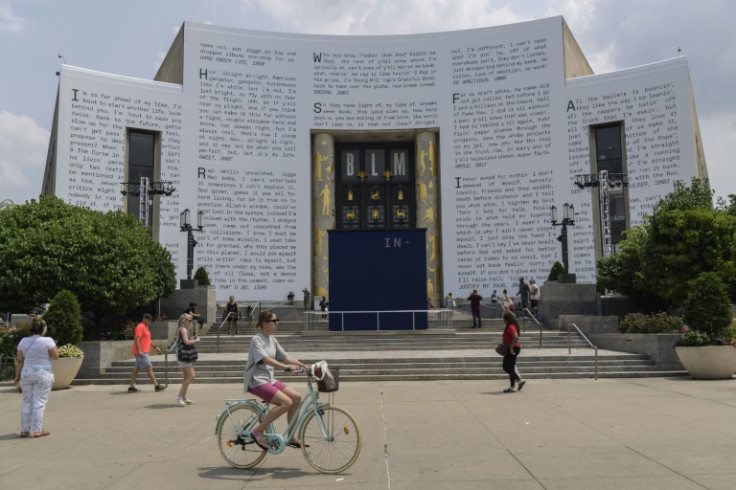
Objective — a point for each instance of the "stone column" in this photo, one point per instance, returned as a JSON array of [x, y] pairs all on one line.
[[323, 209], [428, 208]]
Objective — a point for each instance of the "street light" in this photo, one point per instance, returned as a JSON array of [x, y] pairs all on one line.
[[568, 218], [186, 225], [144, 190]]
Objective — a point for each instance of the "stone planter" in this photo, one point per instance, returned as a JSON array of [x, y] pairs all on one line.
[[708, 361], [65, 370]]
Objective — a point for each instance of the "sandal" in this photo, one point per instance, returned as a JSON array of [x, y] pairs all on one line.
[[24, 434], [295, 443], [260, 440], [43, 433]]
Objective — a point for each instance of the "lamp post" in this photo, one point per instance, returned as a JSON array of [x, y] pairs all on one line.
[[186, 225], [144, 190], [568, 218]]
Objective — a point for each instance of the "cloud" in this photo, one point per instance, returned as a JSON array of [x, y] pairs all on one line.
[[719, 141], [367, 17], [23, 145], [9, 22]]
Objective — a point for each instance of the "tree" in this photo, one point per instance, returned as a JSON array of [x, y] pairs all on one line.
[[684, 237], [201, 276], [107, 260], [62, 319], [712, 315], [555, 271]]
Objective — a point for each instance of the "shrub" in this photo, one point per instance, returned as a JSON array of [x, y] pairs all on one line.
[[10, 337], [69, 350], [695, 337], [63, 319], [555, 271], [652, 323], [707, 307], [201, 276]]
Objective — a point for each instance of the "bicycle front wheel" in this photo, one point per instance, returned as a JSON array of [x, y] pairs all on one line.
[[330, 439], [239, 450]]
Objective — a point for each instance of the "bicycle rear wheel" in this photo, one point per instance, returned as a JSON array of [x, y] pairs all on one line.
[[239, 450], [335, 449]]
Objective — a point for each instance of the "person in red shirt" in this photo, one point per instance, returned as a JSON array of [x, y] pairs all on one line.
[[511, 338], [141, 347]]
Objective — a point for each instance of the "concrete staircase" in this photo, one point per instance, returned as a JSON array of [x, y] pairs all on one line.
[[461, 354]]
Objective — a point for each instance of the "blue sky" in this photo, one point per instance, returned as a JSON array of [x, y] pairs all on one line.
[[131, 38]]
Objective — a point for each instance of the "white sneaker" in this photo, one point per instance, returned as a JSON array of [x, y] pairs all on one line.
[[188, 402], [180, 402]]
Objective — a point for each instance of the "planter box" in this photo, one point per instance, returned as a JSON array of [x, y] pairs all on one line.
[[65, 370], [708, 361]]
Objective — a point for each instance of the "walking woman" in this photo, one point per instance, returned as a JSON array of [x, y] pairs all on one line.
[[266, 354], [186, 356], [511, 338], [35, 377]]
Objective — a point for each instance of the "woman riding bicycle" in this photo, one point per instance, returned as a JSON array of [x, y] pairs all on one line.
[[264, 355]]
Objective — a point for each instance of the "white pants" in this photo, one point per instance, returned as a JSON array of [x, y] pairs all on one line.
[[36, 383]]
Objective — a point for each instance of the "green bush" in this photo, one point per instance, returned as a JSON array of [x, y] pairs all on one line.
[[63, 319], [201, 276], [10, 337], [695, 337], [555, 271], [69, 350], [652, 323], [707, 306]]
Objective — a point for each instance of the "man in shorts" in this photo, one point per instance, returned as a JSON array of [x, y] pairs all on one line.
[[141, 347]]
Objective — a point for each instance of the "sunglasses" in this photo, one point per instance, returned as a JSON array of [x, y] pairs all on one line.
[[275, 320]]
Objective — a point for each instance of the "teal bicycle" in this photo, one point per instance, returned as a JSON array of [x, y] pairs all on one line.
[[329, 435]]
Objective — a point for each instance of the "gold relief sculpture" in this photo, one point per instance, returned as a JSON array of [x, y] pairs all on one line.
[[432, 247], [362, 175], [400, 214], [319, 159], [350, 195], [432, 158], [387, 174], [430, 288], [350, 215], [401, 195], [422, 165], [431, 269], [374, 214], [375, 195], [429, 215], [326, 196], [325, 270], [422, 192], [318, 241]]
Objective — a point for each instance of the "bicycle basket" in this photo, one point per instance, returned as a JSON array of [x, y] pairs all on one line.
[[330, 382]]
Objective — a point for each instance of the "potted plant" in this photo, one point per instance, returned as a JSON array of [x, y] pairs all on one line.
[[65, 327], [706, 349]]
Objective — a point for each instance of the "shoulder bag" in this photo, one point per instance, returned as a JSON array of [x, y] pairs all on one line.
[[186, 353]]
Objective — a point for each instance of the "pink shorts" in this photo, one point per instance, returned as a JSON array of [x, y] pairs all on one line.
[[266, 391]]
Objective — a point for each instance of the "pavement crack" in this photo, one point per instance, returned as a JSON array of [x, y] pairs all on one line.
[[385, 439]]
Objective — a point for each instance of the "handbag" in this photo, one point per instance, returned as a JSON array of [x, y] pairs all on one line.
[[328, 380], [186, 353], [502, 349]]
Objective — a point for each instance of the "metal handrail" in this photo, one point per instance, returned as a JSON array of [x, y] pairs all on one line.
[[219, 330], [541, 329], [444, 316], [569, 346]]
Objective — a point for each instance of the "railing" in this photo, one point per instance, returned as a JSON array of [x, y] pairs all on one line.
[[436, 319], [529, 315], [569, 345]]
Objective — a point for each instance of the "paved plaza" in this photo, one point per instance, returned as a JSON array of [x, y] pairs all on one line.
[[645, 433]]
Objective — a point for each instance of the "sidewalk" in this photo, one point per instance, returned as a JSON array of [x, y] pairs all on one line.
[[645, 433]]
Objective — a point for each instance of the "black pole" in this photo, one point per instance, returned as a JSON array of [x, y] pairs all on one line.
[[190, 253], [564, 244]]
